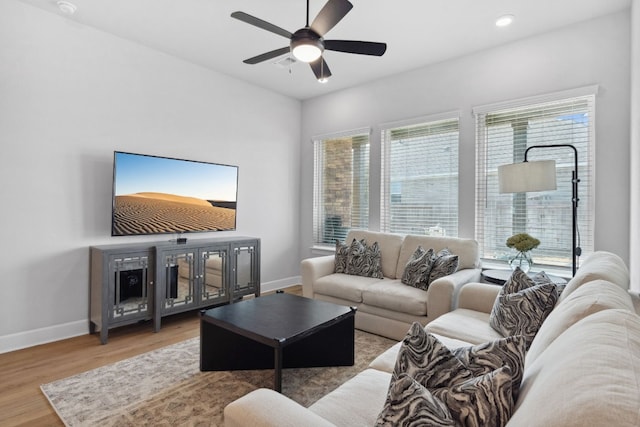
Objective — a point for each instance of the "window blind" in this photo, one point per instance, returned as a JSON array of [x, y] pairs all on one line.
[[502, 136], [419, 178], [341, 186]]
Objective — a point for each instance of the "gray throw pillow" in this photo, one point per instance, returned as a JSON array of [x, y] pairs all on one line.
[[373, 261], [521, 306], [475, 383], [410, 404], [444, 263], [342, 253], [416, 271], [483, 358], [483, 401], [364, 260], [355, 258]]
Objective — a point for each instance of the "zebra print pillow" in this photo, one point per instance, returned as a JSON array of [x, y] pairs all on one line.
[[364, 260], [373, 261], [483, 401], [522, 306], [342, 253], [444, 263], [355, 258], [481, 374], [423, 357], [484, 358], [410, 404], [416, 271]]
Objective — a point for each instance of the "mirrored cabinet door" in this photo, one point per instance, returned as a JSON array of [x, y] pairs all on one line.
[[129, 293], [245, 269], [178, 280], [213, 275]]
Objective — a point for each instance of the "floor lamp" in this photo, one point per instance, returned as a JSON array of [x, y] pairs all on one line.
[[541, 176]]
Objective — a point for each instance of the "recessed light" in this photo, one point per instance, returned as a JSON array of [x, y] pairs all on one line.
[[504, 20], [66, 7]]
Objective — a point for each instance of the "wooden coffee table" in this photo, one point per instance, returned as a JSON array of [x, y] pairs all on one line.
[[275, 332]]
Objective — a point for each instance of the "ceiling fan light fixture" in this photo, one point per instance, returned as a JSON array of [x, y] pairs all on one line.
[[323, 80], [306, 50]]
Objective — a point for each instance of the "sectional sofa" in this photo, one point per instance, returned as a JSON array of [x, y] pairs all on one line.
[[582, 368]]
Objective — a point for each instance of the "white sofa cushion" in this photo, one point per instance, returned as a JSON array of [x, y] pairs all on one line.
[[393, 295], [590, 298], [344, 286], [389, 248], [356, 402], [599, 265], [465, 325], [588, 376]]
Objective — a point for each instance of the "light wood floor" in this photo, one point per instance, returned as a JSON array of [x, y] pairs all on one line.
[[23, 371]]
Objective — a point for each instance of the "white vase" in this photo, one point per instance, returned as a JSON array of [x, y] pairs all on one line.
[[522, 260]]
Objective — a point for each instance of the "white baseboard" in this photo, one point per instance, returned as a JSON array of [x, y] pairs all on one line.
[[280, 284], [49, 334], [46, 335]]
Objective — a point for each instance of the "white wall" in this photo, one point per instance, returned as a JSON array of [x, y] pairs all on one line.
[[594, 52], [69, 97], [635, 146]]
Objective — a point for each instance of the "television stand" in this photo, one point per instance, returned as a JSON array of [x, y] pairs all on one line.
[[134, 282]]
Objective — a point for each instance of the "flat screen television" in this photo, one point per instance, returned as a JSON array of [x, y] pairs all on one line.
[[156, 195]]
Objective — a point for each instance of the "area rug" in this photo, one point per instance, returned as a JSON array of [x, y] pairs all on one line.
[[166, 388]]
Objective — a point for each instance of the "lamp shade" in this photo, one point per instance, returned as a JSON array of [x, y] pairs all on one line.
[[527, 176]]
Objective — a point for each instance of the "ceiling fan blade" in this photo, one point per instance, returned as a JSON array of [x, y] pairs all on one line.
[[332, 12], [244, 17], [320, 68], [354, 46], [266, 56]]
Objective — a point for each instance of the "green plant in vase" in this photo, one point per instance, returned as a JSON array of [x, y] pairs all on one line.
[[523, 243]]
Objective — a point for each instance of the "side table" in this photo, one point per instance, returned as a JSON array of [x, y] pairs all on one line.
[[499, 277]]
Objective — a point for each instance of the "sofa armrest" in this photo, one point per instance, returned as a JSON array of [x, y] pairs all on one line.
[[267, 408], [478, 296], [312, 269], [442, 292]]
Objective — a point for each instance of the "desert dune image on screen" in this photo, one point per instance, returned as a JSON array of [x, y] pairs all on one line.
[[153, 195]]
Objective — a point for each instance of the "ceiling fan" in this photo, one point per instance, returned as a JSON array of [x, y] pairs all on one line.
[[307, 44]]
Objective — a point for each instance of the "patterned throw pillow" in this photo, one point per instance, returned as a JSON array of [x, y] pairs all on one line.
[[484, 358], [475, 383], [417, 270], [521, 306], [355, 258], [342, 253], [364, 260], [444, 263], [423, 357], [373, 261], [483, 401], [411, 404]]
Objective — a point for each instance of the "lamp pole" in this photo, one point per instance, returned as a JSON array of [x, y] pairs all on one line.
[[575, 250]]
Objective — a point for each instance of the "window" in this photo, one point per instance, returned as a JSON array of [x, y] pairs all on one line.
[[419, 179], [503, 135], [341, 185]]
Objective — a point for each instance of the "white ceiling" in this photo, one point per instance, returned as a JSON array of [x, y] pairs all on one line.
[[417, 32]]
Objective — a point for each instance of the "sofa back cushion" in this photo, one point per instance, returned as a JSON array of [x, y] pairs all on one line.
[[599, 265], [466, 250], [389, 245], [590, 298], [588, 376]]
